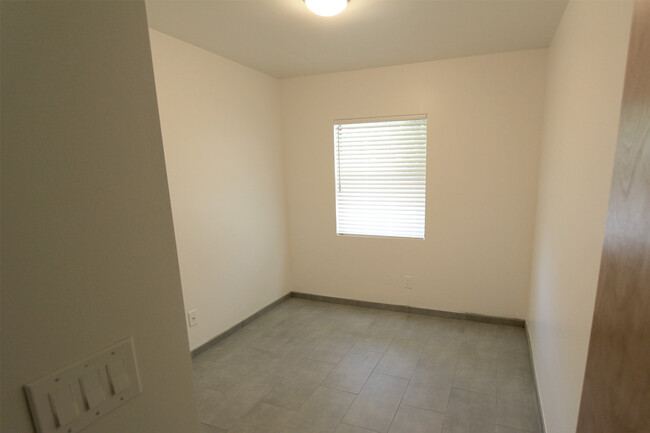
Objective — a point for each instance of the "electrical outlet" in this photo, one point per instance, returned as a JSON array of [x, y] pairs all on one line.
[[193, 317], [408, 282]]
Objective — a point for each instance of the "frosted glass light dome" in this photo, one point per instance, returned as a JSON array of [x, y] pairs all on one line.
[[326, 8]]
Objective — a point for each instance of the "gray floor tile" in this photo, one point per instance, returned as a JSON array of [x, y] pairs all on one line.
[[449, 327], [321, 413], [299, 385], [443, 343], [333, 347], [502, 429], [465, 426], [512, 339], [234, 403], [377, 403], [471, 407], [291, 309], [372, 413], [353, 319], [514, 363], [263, 418], [401, 358], [429, 390], [315, 331], [223, 371], [440, 355], [205, 428], [308, 340], [516, 387], [388, 322], [207, 399], [205, 396], [373, 340], [384, 385], [353, 371], [226, 346], [272, 318], [517, 404], [518, 414], [419, 328], [273, 339], [345, 428], [414, 420], [242, 338], [476, 370], [482, 336], [289, 371], [287, 357]]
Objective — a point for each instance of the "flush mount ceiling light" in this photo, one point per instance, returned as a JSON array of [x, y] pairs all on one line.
[[326, 8]]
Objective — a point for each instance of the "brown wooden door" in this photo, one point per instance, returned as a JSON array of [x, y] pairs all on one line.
[[616, 391]]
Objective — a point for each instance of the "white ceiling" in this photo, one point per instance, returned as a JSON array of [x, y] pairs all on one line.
[[284, 39]]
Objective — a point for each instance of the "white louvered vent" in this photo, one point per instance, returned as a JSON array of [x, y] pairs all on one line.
[[380, 167]]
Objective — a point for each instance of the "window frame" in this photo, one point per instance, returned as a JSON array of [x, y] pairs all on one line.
[[337, 158]]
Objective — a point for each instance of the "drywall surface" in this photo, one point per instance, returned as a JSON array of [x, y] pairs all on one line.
[[88, 252], [586, 66], [484, 131], [221, 133]]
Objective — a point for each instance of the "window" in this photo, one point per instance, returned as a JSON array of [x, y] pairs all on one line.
[[380, 171]]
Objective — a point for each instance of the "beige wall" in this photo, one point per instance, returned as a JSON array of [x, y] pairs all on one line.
[[483, 143], [221, 131], [585, 80], [88, 253]]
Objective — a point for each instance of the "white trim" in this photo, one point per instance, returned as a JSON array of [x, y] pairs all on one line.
[[380, 119]]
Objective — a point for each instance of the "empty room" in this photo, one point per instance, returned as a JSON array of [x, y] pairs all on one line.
[[325, 216]]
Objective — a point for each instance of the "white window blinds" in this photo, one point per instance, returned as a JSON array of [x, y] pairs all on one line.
[[380, 170]]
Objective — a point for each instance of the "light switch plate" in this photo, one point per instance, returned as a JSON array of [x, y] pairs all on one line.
[[117, 376], [193, 318], [64, 406], [92, 389], [68, 400]]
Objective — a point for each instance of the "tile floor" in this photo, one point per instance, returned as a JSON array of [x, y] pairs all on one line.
[[312, 367]]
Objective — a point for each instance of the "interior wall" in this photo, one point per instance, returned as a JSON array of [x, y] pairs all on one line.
[[88, 252], [484, 128], [586, 67], [222, 138]]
